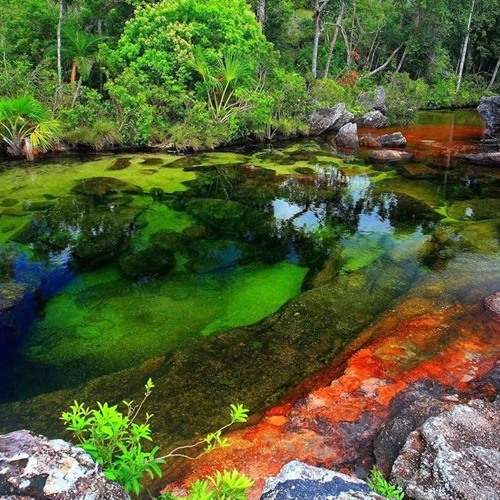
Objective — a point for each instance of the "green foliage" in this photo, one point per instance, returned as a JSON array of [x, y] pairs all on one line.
[[26, 126], [221, 486], [153, 71], [123, 446], [115, 440], [404, 97], [380, 485]]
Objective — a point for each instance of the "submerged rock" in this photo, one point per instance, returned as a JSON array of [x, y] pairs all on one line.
[[152, 261], [120, 164], [34, 467], [475, 209], [104, 186], [10, 295], [395, 140], [299, 481], [453, 455], [348, 136], [389, 155], [489, 109], [329, 119]]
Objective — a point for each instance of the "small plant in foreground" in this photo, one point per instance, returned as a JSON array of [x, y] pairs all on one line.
[[118, 441], [221, 486], [377, 482]]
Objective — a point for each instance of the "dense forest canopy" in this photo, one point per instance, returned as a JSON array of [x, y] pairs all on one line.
[[200, 73]]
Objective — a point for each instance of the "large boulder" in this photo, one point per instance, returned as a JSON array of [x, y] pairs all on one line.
[[299, 481], [34, 467], [374, 100], [453, 455], [394, 140], [329, 119], [488, 159], [348, 136], [373, 119], [489, 109]]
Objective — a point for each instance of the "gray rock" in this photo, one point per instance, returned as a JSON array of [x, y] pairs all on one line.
[[374, 100], [453, 455], [329, 119], [394, 140], [489, 109], [489, 159], [299, 481], [34, 467], [373, 119], [492, 304], [348, 136], [385, 155], [408, 411]]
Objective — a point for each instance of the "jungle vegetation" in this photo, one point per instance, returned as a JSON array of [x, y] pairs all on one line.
[[202, 73]]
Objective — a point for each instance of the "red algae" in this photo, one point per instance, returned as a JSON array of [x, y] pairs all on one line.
[[335, 419]]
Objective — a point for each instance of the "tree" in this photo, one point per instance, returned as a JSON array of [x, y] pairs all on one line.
[[26, 127], [465, 45], [151, 71], [80, 51]]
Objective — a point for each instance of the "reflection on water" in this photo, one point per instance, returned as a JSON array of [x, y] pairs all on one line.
[[103, 269]]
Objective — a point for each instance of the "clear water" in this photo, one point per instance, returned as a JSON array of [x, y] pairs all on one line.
[[101, 275]]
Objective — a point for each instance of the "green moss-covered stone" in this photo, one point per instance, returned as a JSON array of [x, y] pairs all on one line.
[[150, 262], [475, 209], [104, 186]]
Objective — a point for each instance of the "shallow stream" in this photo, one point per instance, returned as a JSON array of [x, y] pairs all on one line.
[[109, 260]]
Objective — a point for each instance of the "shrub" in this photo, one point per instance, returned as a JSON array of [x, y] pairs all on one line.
[[405, 97], [119, 443], [26, 126]]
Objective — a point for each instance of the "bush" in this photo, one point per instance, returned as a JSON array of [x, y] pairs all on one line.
[[119, 443], [405, 97]]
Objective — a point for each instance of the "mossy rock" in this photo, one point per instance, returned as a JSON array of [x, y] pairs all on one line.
[[150, 262], [305, 170], [10, 295], [9, 202], [104, 186], [169, 240], [152, 161], [37, 206], [205, 256], [120, 164], [222, 215]]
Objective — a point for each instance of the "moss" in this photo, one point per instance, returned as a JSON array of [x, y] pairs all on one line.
[[474, 210]]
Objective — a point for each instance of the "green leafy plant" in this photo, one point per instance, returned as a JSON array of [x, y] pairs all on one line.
[[227, 485], [377, 482], [26, 126], [119, 442]]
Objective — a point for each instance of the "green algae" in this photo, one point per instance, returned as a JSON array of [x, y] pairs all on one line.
[[111, 324]]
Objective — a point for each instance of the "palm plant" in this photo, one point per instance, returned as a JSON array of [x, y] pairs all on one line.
[[26, 127], [220, 83]]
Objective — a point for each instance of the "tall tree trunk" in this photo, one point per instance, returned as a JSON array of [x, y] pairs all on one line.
[[319, 6], [494, 76], [261, 13], [334, 39], [382, 66], [402, 60], [59, 44], [465, 46], [317, 32]]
